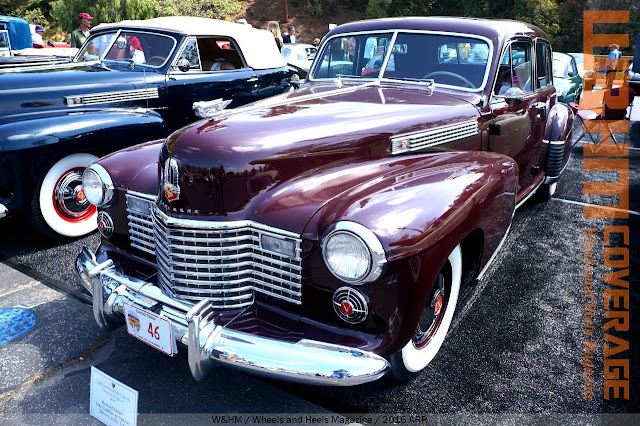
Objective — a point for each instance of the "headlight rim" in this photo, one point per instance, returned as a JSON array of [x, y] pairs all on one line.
[[108, 188], [377, 257]]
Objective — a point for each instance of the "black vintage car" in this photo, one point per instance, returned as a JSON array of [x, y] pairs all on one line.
[[131, 82]]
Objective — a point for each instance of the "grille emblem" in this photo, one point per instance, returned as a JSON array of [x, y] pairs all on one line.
[[171, 188]]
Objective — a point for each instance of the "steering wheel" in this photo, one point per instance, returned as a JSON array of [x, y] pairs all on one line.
[[466, 82], [159, 59]]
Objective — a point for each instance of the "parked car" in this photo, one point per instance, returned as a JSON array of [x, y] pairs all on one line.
[[324, 236], [633, 79], [131, 82], [579, 57], [299, 54], [566, 78], [16, 48]]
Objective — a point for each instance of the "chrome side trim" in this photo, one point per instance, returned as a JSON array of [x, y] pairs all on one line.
[[111, 97], [208, 344], [432, 137]]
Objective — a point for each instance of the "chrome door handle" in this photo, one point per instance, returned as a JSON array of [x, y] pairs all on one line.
[[251, 80]]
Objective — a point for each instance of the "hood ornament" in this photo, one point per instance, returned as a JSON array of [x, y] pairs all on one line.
[[170, 185]]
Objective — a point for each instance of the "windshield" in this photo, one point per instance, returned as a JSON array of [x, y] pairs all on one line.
[[558, 68], [139, 47], [449, 60]]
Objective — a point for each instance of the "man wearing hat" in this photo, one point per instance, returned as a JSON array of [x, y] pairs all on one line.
[[80, 35], [36, 37]]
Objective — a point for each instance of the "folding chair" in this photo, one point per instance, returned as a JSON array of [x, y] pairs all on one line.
[[611, 110]]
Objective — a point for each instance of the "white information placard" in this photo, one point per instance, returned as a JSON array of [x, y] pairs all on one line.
[[112, 402]]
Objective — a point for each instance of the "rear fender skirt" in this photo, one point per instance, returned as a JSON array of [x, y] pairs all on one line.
[[556, 145]]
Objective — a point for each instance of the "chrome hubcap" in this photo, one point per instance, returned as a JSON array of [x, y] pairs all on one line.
[[432, 315], [69, 199]]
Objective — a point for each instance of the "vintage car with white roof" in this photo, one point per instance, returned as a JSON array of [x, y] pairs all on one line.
[[131, 82], [324, 235]]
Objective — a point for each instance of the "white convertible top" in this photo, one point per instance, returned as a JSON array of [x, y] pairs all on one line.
[[258, 46]]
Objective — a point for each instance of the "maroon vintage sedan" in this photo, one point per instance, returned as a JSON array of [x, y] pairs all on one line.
[[323, 236]]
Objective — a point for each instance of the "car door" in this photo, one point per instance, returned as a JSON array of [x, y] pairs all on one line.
[[518, 115], [196, 75]]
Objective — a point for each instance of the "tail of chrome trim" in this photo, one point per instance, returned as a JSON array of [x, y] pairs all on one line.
[[209, 344]]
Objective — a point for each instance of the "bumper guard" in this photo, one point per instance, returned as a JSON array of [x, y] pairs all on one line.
[[208, 344]]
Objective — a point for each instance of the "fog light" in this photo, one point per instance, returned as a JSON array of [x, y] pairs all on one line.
[[350, 305]]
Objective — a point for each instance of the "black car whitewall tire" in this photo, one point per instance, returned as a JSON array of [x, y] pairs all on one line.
[[426, 343], [59, 207]]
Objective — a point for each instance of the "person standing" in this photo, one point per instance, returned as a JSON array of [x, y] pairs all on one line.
[[274, 27], [291, 36], [79, 35], [612, 63], [36, 37]]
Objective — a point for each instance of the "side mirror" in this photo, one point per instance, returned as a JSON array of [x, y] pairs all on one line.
[[514, 96], [183, 65], [514, 100]]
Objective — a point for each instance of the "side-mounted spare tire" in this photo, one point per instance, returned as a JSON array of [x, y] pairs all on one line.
[[59, 207]]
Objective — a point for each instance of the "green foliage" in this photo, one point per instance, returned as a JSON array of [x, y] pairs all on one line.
[[9, 7], [216, 9], [314, 7], [32, 16], [66, 11], [376, 9]]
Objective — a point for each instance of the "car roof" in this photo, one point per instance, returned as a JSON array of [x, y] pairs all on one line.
[[487, 27], [258, 46]]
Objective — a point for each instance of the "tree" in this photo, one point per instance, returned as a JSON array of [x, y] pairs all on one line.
[[216, 9], [66, 11]]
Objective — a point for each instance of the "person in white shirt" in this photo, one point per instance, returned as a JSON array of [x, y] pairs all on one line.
[[36, 37]]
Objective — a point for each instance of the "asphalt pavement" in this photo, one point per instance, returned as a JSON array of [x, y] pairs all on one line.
[[515, 347]]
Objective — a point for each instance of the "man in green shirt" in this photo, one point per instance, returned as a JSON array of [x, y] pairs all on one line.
[[79, 35]]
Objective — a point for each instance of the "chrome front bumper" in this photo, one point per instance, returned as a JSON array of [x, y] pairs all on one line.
[[208, 344]]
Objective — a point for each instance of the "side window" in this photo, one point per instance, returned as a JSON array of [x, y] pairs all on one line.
[[543, 65], [191, 54], [516, 70], [219, 54]]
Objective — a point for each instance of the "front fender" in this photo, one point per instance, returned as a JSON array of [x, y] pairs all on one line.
[[419, 214], [28, 148], [86, 130]]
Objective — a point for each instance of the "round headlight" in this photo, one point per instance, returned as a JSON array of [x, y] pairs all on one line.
[[353, 253], [347, 256], [97, 185]]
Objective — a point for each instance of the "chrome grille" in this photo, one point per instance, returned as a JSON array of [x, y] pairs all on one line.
[[223, 262], [433, 137], [141, 222], [112, 97]]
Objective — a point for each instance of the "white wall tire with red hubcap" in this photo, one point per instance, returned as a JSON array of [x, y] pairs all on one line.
[[60, 207], [434, 322]]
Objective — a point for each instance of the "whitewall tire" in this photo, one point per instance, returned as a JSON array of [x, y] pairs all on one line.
[[59, 206], [434, 323]]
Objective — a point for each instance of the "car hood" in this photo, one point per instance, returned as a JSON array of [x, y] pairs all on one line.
[[295, 154], [38, 88]]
